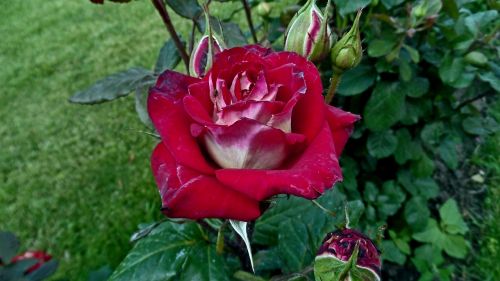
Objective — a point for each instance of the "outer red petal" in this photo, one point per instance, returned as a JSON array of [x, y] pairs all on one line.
[[173, 124], [341, 124], [309, 113], [188, 194], [315, 171]]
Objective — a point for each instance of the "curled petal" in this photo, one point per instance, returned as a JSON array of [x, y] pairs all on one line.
[[316, 170], [173, 124], [341, 124], [185, 193], [249, 144]]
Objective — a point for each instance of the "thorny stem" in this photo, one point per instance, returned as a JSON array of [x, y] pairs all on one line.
[[191, 38], [248, 13], [162, 10], [334, 82]]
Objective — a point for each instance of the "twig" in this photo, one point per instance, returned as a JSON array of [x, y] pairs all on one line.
[[473, 99], [162, 10], [248, 13], [334, 82]]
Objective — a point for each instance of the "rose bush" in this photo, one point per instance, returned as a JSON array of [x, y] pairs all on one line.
[[254, 126]]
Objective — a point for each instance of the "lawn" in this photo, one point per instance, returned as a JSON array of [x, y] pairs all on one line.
[[74, 180]]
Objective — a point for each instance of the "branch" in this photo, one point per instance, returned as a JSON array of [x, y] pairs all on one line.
[[248, 13], [160, 7], [473, 99]]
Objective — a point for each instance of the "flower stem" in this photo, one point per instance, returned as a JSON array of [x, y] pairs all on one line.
[[334, 82], [162, 10], [248, 13]]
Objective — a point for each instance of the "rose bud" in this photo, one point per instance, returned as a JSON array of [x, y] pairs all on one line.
[[41, 258], [202, 55], [347, 52], [308, 34], [347, 255]]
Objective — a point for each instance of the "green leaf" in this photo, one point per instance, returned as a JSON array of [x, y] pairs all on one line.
[[355, 210], [392, 253], [233, 36], [406, 148], [455, 246], [423, 167], [380, 47], [451, 8], [390, 199], [391, 3], [401, 243], [112, 87], [241, 228], [492, 79], [405, 70], [479, 22], [370, 192], [474, 125], [357, 80], [382, 144], [385, 107], [141, 101], [265, 260], [44, 271], [416, 109], [417, 213], [102, 274], [416, 88], [451, 68], [431, 134], [414, 55], [189, 9], [294, 247], [173, 252], [451, 219], [431, 234], [448, 152], [346, 7], [318, 222], [9, 245], [168, 58]]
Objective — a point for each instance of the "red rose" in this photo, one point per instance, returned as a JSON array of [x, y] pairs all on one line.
[[255, 126], [41, 258]]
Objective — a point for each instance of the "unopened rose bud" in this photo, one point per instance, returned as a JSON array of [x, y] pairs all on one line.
[[264, 9], [347, 52], [308, 33], [476, 59], [347, 255], [202, 55]]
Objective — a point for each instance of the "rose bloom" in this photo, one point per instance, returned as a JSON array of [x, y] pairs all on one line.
[[255, 126], [40, 257]]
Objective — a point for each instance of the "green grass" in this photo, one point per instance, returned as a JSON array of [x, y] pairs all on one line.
[[488, 158], [74, 180]]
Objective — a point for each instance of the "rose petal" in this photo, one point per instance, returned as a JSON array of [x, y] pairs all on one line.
[[173, 124], [309, 113], [200, 92], [341, 124], [188, 194], [248, 144], [174, 84], [255, 110], [315, 171]]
